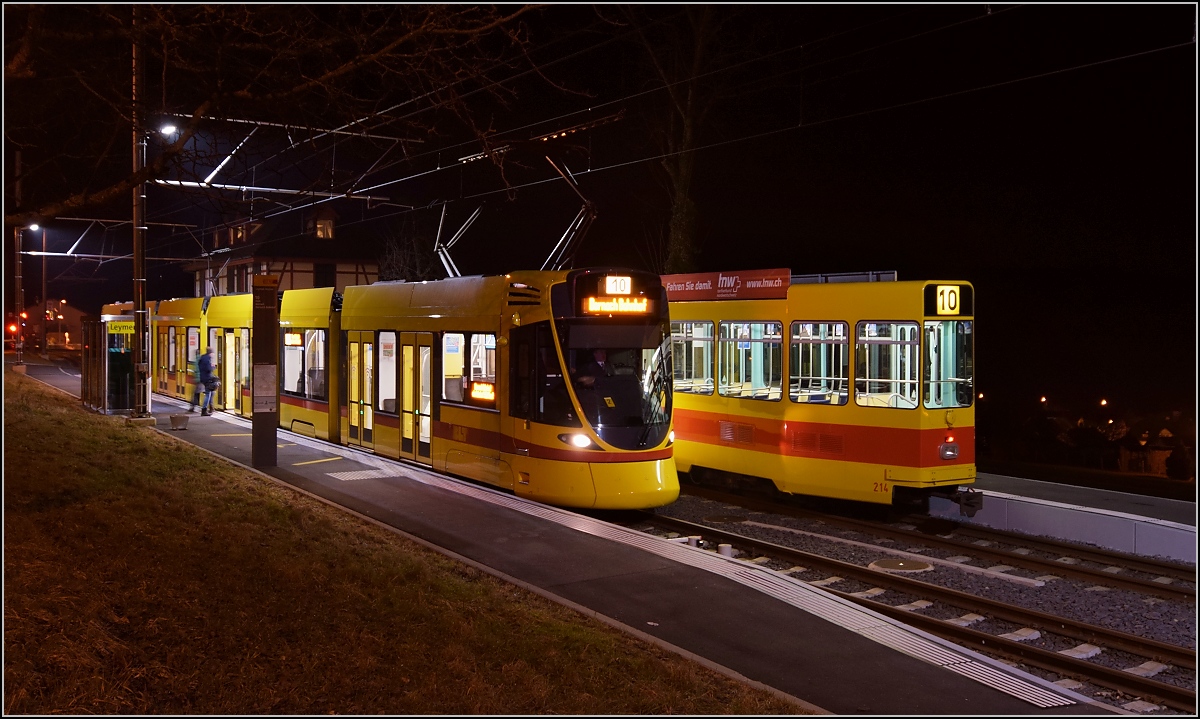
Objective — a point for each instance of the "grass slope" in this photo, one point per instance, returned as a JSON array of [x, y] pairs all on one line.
[[143, 576]]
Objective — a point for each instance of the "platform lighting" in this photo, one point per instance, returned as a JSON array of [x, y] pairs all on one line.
[[168, 130], [1043, 399], [981, 395], [1103, 403], [35, 227]]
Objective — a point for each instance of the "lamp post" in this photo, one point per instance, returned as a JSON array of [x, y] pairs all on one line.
[[45, 343], [141, 360], [20, 298]]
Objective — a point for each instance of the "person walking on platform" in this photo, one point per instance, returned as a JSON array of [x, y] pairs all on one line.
[[207, 379], [197, 388]]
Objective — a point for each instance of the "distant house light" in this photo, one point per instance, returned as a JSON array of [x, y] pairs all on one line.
[[325, 229]]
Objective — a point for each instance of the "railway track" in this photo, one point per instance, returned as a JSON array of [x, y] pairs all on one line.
[[1112, 662], [1167, 580]]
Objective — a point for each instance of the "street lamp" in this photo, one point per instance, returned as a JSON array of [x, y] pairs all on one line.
[[45, 343]]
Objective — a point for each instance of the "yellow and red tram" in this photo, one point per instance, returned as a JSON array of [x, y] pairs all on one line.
[[473, 376], [825, 386]]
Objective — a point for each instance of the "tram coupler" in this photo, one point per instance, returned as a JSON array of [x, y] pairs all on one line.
[[969, 501]]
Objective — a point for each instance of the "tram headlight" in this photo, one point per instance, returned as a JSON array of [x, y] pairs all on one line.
[[671, 438], [579, 441], [948, 450]]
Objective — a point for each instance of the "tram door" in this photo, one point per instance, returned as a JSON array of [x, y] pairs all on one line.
[[244, 372], [360, 388], [161, 357], [183, 388], [216, 340], [231, 388], [189, 362], [416, 395]]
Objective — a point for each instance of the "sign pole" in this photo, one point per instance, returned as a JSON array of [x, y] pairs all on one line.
[[264, 378]]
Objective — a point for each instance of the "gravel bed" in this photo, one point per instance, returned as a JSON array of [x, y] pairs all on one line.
[[1150, 617]]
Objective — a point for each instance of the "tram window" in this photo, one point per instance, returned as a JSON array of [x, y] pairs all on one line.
[[750, 360], [481, 372], [521, 380], [452, 367], [949, 366], [388, 371], [692, 348], [820, 363], [293, 363], [469, 368], [886, 363], [304, 364], [213, 334], [244, 360], [193, 346], [621, 373], [537, 390], [314, 364]]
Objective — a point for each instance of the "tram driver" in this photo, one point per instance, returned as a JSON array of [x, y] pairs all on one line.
[[593, 368]]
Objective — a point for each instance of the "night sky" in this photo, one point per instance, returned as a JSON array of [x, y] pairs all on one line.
[[1047, 154]]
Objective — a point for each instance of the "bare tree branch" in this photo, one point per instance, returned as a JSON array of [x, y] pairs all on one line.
[[380, 69]]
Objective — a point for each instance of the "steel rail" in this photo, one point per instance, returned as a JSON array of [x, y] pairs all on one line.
[[1149, 565], [1118, 679], [1062, 626], [1011, 558]]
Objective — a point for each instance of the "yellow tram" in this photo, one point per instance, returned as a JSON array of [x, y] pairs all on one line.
[[177, 328], [836, 386], [309, 325], [227, 324], [473, 376]]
